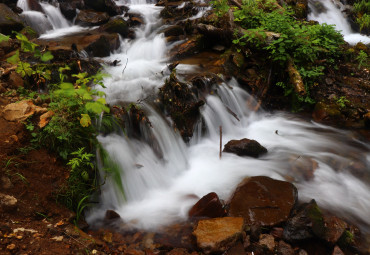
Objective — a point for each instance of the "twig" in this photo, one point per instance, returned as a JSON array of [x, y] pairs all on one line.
[[125, 67], [220, 142], [232, 113]]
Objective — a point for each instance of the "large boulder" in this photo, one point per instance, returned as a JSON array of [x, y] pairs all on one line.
[[219, 234], [9, 21], [108, 6], [208, 206], [34, 5], [245, 147], [91, 18], [116, 25], [68, 8], [263, 201]]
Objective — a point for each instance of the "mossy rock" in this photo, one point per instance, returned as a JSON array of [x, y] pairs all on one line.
[[116, 25]]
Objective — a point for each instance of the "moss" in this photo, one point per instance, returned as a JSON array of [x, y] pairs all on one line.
[[29, 32], [346, 239]]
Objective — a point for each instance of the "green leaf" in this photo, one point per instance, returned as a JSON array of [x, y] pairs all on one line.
[[47, 56], [14, 59], [3, 38]]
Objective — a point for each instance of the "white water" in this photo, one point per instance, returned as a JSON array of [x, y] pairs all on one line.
[[160, 173], [333, 15], [51, 23]]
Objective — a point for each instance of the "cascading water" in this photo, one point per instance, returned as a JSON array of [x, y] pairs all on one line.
[[326, 11], [161, 174]]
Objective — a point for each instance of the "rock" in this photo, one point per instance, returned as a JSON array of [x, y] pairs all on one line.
[[178, 251], [325, 111], [116, 25], [2, 88], [215, 34], [367, 120], [6, 183], [208, 206], [34, 5], [188, 48], [57, 238], [108, 6], [111, 215], [284, 248], [11, 247], [218, 234], [334, 228], [267, 241], [135, 20], [303, 167], [306, 223], [337, 251], [15, 80], [91, 18], [245, 147], [7, 203], [277, 232], [263, 201], [68, 8], [45, 118], [174, 30], [9, 21], [20, 111], [237, 249], [103, 46]]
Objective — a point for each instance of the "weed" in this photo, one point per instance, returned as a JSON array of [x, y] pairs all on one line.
[[362, 59]]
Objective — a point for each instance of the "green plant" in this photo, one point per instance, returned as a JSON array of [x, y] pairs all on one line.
[[364, 22], [362, 59], [341, 101], [221, 7]]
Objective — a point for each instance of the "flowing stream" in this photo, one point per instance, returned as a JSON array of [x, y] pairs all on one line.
[[331, 12], [161, 174]]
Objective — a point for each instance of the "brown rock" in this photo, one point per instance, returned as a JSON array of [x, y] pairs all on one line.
[[334, 229], [2, 88], [45, 118], [245, 147], [284, 248], [7, 203], [263, 201], [267, 241], [337, 251], [9, 21], [20, 111], [208, 206], [103, 46], [91, 18], [218, 234], [11, 247], [34, 5], [111, 215], [15, 80], [6, 183]]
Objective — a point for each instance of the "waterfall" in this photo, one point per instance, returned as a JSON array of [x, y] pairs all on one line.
[[331, 12]]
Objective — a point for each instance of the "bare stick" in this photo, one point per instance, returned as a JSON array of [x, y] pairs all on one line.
[[125, 67], [220, 142]]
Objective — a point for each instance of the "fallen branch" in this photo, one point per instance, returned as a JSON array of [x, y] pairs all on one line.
[[295, 78], [220, 142]]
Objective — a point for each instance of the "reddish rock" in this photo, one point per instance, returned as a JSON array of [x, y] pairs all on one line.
[[108, 6], [337, 251], [263, 201], [219, 234], [91, 18], [20, 111], [111, 215], [45, 118], [238, 249], [245, 147], [334, 228], [284, 248], [208, 206], [34, 5], [267, 241]]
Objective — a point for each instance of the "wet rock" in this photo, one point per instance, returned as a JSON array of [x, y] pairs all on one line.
[[181, 104], [103, 46], [237, 249], [263, 201], [34, 5], [284, 248], [325, 111], [277, 232], [2, 88], [303, 167], [245, 147], [267, 241], [208, 206], [174, 30], [367, 120], [334, 228], [337, 251], [111, 215], [6, 183], [116, 25], [7, 203], [218, 234], [188, 48], [180, 251], [20, 111], [91, 18], [215, 34], [306, 223], [108, 6], [9, 21], [135, 20], [68, 8]]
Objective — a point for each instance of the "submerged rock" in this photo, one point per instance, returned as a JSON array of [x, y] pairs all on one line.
[[218, 234], [208, 206], [263, 201], [245, 147]]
